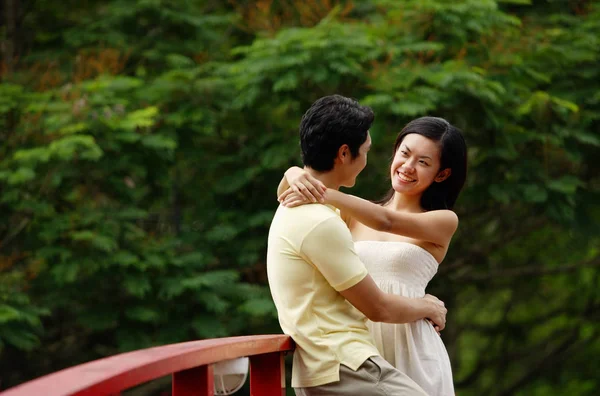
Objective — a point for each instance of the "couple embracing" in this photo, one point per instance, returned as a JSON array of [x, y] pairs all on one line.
[[348, 276]]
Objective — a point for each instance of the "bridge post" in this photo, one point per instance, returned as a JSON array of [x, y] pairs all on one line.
[[197, 381], [267, 374]]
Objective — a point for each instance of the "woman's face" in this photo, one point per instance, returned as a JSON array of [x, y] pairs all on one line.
[[415, 165]]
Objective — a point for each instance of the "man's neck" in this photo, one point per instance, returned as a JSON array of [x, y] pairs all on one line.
[[327, 178]]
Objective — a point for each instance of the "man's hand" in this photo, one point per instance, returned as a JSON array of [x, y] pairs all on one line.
[[437, 316], [304, 185]]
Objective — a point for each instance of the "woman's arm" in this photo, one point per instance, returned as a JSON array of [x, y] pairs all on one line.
[[283, 185], [303, 183], [435, 226]]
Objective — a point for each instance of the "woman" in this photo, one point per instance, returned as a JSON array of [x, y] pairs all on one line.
[[404, 237]]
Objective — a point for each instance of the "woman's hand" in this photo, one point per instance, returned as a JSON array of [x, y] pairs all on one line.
[[291, 199], [304, 188]]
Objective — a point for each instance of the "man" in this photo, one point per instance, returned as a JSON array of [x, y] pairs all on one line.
[[322, 291]]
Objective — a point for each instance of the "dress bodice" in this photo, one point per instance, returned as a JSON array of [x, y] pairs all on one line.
[[401, 262], [405, 269]]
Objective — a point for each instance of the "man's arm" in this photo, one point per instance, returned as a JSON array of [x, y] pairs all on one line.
[[330, 248], [390, 308]]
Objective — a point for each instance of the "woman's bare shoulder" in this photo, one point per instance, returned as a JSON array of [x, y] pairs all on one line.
[[445, 216]]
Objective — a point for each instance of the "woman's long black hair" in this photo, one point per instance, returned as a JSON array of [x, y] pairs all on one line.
[[440, 195]]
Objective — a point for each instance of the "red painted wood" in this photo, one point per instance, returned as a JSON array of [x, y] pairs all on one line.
[[267, 374], [116, 373], [197, 381]]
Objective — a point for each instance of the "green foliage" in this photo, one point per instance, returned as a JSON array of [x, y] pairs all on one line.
[[141, 144], [20, 324]]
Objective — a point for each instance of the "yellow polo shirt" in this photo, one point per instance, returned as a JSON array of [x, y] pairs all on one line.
[[311, 258]]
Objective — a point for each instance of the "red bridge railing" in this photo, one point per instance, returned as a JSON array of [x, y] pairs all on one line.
[[189, 363]]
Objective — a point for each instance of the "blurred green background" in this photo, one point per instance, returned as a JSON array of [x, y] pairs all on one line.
[[141, 143]]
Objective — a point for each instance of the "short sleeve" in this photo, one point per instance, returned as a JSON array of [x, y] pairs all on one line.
[[329, 247]]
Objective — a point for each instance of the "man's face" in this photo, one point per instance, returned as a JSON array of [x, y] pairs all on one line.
[[356, 165]]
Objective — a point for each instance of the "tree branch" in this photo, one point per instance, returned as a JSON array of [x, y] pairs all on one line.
[[540, 364], [538, 270], [14, 232]]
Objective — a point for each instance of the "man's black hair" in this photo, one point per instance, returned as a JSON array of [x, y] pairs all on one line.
[[329, 123]]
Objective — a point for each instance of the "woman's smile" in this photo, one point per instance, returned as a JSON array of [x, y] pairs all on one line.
[[404, 178]]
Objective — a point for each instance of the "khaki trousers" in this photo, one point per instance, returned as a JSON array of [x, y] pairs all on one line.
[[374, 377]]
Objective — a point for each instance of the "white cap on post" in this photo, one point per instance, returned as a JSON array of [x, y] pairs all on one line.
[[230, 375]]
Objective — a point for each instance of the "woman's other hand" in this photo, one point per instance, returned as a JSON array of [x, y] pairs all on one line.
[[302, 184], [291, 199]]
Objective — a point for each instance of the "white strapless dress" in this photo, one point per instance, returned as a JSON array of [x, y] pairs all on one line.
[[413, 348]]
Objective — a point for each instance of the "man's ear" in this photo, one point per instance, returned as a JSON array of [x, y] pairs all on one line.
[[443, 175], [343, 154]]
